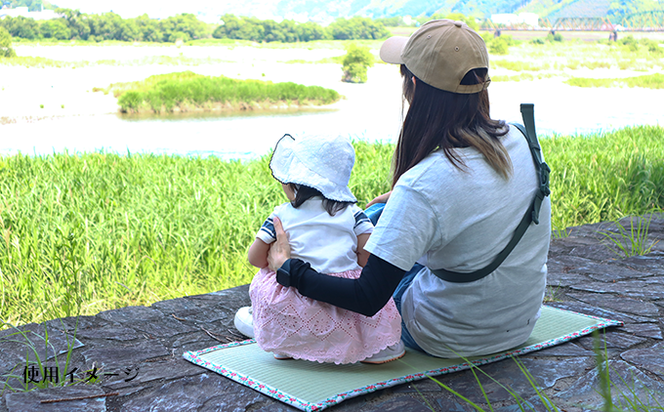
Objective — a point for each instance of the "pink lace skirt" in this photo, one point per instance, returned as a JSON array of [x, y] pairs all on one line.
[[288, 323]]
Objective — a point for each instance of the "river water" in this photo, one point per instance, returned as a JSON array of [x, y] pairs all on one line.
[[370, 112]]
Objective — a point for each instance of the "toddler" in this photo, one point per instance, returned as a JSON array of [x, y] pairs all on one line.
[[327, 230]]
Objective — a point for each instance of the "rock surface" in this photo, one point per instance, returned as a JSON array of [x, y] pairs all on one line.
[[136, 352]]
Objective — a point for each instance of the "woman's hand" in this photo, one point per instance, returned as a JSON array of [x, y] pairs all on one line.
[[380, 199], [280, 249]]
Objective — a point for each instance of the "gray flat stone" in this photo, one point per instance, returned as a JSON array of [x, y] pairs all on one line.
[[650, 359], [454, 405], [111, 332], [164, 327], [193, 310], [545, 372], [76, 323], [190, 394], [646, 330], [620, 304], [533, 404], [31, 401], [424, 385], [626, 379], [16, 346], [651, 263], [52, 372], [198, 340], [281, 407], [402, 403], [131, 314], [594, 251], [168, 369], [567, 349], [608, 273], [649, 288], [615, 342], [120, 356], [599, 312], [565, 279]]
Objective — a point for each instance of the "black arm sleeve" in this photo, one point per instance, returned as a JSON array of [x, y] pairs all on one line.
[[365, 295]]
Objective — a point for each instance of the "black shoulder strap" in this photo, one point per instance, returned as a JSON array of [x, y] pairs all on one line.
[[531, 215]]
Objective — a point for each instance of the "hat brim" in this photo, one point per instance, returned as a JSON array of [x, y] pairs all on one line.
[[390, 51], [286, 167]]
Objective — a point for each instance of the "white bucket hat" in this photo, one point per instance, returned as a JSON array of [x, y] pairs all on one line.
[[320, 162]]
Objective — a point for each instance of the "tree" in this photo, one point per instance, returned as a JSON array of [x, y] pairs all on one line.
[[149, 29], [311, 31], [355, 64], [77, 22], [175, 27], [20, 26], [106, 26], [55, 29], [357, 28], [6, 44]]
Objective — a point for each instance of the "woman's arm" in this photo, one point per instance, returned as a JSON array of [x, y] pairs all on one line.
[[366, 295], [380, 199], [362, 255], [258, 253]]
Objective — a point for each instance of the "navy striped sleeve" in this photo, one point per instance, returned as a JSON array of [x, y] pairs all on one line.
[[360, 218], [268, 228]]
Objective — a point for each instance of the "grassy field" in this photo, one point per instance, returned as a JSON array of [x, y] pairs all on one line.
[[638, 51], [187, 91], [82, 234], [653, 81]]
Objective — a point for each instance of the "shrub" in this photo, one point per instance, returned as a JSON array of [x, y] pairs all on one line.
[[130, 101], [652, 46], [355, 64], [554, 37], [498, 46], [6, 44]]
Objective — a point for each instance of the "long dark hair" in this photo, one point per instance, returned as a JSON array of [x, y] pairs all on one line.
[[438, 119], [304, 193]]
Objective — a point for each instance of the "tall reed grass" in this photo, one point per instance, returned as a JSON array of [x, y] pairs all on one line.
[[185, 90], [606, 176], [86, 233]]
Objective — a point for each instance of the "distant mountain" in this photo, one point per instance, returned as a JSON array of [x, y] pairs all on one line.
[[325, 11]]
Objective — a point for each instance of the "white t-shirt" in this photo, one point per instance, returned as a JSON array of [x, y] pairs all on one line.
[[460, 220], [327, 243]]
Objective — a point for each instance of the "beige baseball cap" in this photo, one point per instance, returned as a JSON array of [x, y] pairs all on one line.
[[440, 53]]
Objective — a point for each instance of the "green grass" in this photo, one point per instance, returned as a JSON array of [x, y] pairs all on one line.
[[519, 65], [652, 81], [187, 90], [605, 177], [557, 59], [41, 62], [86, 233], [100, 231], [521, 77]]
